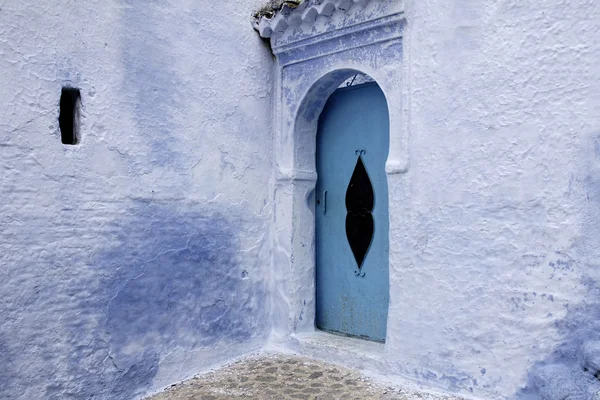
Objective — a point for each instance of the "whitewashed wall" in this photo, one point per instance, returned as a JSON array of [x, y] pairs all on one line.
[[141, 256], [500, 271], [138, 257], [494, 268]]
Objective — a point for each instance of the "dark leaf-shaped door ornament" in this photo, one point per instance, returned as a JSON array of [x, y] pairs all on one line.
[[360, 201]]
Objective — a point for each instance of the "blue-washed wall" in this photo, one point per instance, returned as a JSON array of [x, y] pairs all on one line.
[[494, 216], [501, 212], [572, 369], [139, 256]]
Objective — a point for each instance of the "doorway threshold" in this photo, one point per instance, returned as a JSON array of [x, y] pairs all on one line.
[[348, 351]]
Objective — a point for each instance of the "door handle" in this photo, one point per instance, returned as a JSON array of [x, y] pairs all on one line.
[[325, 202]]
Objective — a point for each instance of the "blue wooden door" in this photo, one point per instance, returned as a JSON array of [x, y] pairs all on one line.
[[352, 222]]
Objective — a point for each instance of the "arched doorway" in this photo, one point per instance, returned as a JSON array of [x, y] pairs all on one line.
[[351, 213]]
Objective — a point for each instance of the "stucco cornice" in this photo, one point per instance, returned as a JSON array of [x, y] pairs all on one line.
[[292, 15], [377, 30]]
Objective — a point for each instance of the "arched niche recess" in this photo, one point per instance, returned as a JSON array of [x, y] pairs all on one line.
[[318, 45]]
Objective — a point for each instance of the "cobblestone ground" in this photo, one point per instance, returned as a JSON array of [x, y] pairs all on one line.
[[286, 377]]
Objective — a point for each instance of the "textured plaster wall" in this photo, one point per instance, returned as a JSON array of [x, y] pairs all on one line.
[[495, 279], [138, 257], [501, 221]]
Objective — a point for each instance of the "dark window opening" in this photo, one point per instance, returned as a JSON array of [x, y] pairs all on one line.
[[68, 119]]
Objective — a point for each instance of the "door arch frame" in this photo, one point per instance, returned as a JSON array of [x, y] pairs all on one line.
[[308, 71], [380, 270]]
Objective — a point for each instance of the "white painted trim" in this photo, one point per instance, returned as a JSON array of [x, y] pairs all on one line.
[[338, 33], [309, 69]]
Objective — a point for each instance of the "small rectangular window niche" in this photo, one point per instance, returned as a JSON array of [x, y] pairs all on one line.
[[68, 119]]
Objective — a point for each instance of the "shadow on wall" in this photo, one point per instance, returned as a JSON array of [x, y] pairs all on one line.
[[173, 282], [161, 285], [572, 371]]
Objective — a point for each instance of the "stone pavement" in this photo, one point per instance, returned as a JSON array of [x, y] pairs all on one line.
[[286, 377]]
